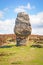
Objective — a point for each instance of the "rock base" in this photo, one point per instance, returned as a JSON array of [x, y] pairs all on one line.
[[21, 41]]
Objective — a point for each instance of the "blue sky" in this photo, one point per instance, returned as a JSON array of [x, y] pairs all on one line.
[[10, 8]]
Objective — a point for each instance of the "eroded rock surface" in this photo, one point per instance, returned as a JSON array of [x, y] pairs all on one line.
[[22, 28]]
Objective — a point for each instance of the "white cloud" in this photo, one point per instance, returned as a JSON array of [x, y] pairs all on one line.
[[1, 14], [38, 31], [37, 23], [37, 19], [19, 10], [7, 26], [29, 7], [5, 9], [23, 8]]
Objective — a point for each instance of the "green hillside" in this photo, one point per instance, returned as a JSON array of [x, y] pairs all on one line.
[[21, 55]]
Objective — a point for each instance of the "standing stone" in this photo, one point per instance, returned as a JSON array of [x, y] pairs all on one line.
[[22, 28]]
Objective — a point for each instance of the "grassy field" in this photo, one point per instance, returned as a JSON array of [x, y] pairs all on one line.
[[21, 55]]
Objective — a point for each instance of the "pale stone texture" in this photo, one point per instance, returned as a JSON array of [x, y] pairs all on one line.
[[22, 28]]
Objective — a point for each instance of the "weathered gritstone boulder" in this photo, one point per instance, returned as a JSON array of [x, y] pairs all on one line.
[[22, 28]]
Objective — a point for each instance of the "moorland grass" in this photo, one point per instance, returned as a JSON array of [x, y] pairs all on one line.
[[21, 55]]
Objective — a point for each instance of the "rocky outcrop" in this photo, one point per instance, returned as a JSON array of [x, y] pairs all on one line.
[[22, 28]]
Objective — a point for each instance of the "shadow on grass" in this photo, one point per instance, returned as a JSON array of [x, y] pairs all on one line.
[[17, 62], [7, 46], [7, 54], [37, 46]]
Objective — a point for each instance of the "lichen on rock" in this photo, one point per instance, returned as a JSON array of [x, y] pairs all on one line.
[[22, 28]]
